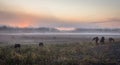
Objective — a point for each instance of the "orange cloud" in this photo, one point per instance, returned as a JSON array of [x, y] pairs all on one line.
[[19, 19], [24, 24]]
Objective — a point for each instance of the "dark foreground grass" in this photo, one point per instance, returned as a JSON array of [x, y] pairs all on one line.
[[58, 54]]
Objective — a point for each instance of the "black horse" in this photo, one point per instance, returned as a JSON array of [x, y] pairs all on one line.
[[102, 40], [96, 39], [41, 44], [17, 46]]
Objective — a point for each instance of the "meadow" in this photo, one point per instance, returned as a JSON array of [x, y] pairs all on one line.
[[84, 53], [58, 50]]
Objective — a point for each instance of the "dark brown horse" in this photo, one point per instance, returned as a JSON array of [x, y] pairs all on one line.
[[96, 39], [17, 46], [41, 44], [102, 40], [111, 39]]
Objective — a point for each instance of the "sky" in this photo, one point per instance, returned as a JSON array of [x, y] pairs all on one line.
[[64, 14]]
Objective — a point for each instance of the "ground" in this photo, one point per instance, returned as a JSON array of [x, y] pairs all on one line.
[[57, 50]]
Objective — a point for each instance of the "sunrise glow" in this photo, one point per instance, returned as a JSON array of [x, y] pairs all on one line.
[[66, 14], [65, 29]]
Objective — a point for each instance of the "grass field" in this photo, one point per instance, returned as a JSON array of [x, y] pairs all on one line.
[[81, 53]]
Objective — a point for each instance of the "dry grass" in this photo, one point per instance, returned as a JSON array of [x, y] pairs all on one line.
[[83, 53]]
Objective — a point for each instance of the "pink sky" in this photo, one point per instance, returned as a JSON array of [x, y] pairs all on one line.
[[60, 13]]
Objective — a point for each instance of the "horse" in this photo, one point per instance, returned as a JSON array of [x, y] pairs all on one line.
[[102, 40], [41, 44], [17, 46], [96, 40], [111, 39]]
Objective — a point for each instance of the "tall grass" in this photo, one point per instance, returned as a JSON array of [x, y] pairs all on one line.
[[54, 54]]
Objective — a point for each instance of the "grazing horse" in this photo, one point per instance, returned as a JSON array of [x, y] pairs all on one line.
[[102, 40], [41, 44], [17, 46], [111, 39], [96, 40]]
